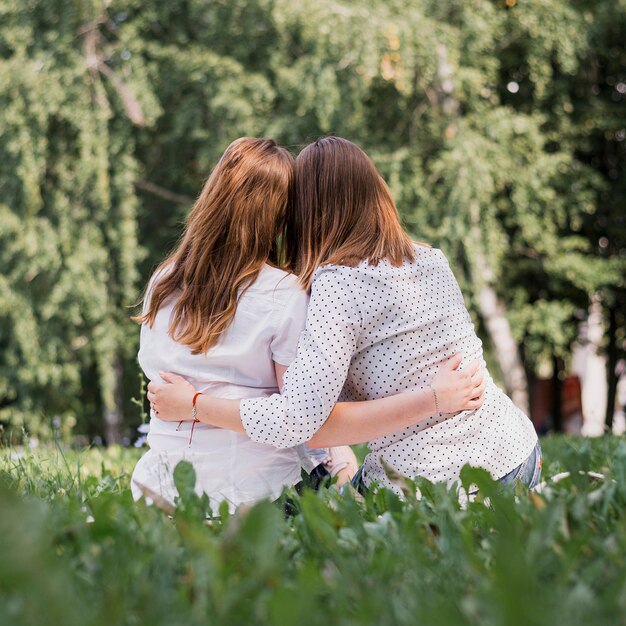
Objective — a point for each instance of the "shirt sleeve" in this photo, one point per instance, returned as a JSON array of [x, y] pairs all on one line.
[[291, 323], [316, 377]]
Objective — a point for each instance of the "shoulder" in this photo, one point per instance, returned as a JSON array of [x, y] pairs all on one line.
[[438, 257], [427, 256], [425, 259], [158, 275], [337, 285], [328, 275], [274, 278], [276, 283]]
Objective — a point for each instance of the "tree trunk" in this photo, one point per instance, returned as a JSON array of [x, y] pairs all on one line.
[[493, 312], [557, 395], [492, 308], [590, 366], [112, 406], [610, 372]]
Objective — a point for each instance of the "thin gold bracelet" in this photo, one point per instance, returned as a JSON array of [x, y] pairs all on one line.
[[436, 400]]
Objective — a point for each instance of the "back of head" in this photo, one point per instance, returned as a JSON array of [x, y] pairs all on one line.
[[231, 232], [342, 212]]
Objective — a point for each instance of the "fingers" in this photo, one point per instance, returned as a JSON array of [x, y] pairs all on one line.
[[154, 388], [168, 377], [478, 389], [477, 378], [475, 387], [152, 398], [474, 367], [453, 362], [475, 396], [476, 403]]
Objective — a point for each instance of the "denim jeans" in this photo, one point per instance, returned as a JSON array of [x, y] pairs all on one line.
[[317, 479], [529, 472]]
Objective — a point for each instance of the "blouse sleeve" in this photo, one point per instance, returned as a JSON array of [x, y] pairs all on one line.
[[316, 377], [290, 324]]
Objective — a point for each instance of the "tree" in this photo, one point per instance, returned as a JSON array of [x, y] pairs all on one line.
[[499, 126], [68, 243]]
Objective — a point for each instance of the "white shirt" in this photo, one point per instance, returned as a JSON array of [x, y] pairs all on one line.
[[373, 331], [229, 466]]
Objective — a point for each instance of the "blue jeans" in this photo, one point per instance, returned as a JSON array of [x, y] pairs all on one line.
[[357, 482], [529, 472]]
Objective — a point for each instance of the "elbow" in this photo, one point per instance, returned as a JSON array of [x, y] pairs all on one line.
[[287, 443], [305, 427], [309, 437], [283, 437], [289, 439], [293, 438], [317, 441]]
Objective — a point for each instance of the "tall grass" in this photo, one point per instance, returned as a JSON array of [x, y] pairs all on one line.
[[75, 549]]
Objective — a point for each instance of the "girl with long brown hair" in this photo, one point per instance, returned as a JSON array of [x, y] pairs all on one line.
[[342, 219], [221, 313]]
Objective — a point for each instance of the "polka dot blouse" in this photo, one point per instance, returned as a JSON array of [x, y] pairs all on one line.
[[373, 331]]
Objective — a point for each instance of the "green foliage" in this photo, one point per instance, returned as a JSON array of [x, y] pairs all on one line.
[[68, 243], [77, 550], [501, 130]]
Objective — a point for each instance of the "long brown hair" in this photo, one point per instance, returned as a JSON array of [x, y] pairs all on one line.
[[342, 212], [230, 233]]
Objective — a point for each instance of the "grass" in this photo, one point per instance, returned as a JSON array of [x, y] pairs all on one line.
[[75, 549]]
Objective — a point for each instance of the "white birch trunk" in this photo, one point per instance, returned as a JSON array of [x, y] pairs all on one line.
[[590, 366], [492, 308], [112, 404], [492, 311]]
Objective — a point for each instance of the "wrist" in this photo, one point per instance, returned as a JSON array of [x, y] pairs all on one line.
[[194, 410], [198, 403], [435, 399], [421, 406], [194, 418]]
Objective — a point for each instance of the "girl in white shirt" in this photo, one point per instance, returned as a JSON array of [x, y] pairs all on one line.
[[221, 314]]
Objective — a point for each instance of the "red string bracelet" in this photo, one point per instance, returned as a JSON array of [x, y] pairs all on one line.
[[194, 412], [193, 403]]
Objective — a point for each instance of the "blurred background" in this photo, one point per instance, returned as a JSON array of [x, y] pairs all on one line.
[[500, 126]]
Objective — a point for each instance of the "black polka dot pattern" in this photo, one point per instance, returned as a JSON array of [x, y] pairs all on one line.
[[373, 331]]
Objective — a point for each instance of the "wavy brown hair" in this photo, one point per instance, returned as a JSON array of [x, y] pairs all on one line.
[[342, 213], [231, 232]]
